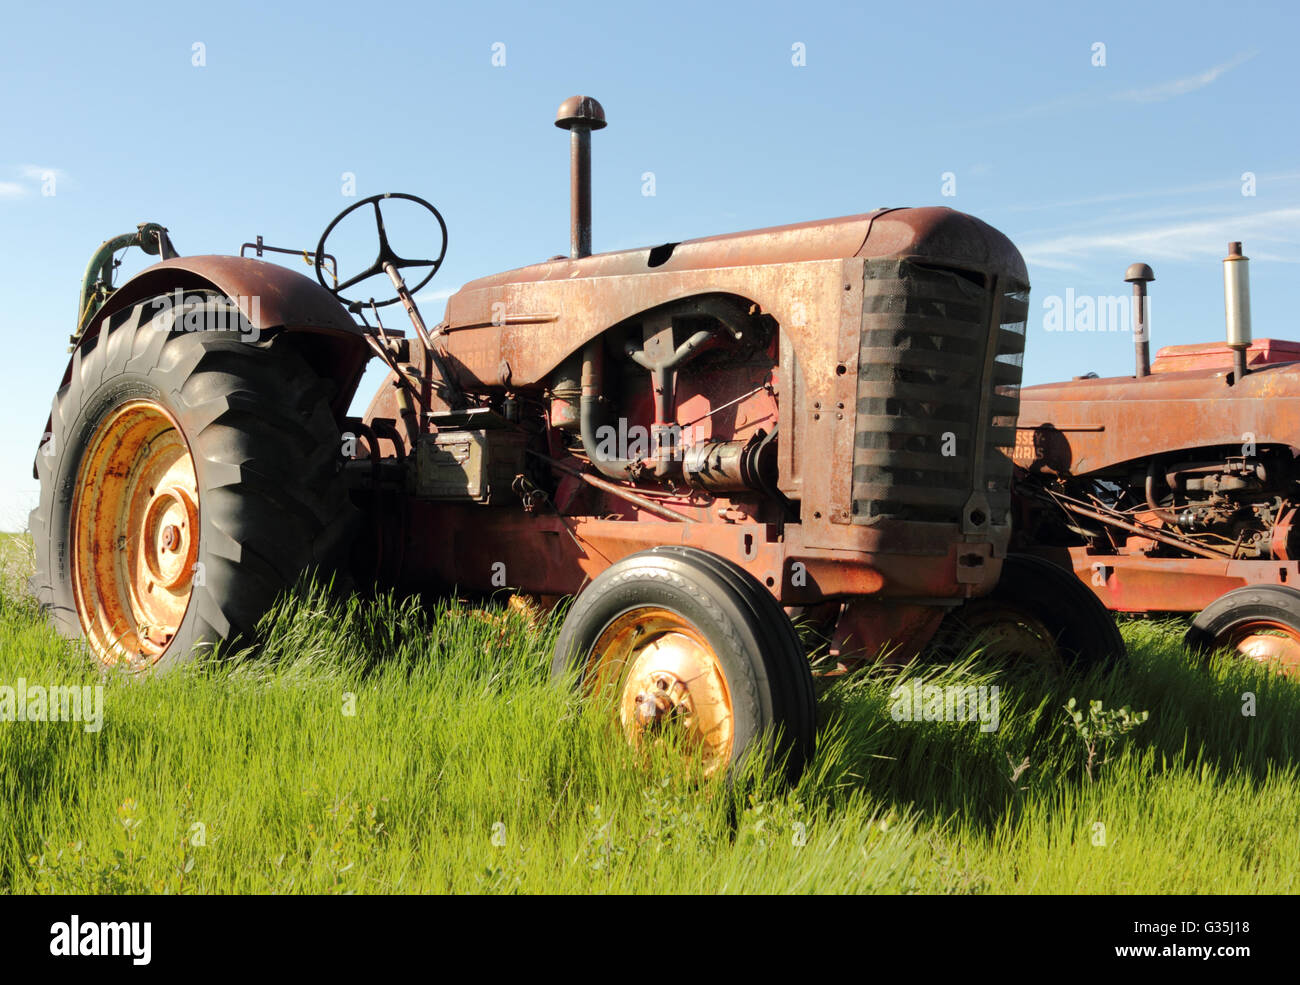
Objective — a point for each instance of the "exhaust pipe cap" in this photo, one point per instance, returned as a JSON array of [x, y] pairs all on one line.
[[580, 112], [1139, 273]]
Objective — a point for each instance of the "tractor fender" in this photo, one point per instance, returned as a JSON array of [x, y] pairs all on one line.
[[271, 297]]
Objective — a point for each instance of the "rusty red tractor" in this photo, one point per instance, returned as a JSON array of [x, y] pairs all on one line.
[[1175, 490], [695, 441]]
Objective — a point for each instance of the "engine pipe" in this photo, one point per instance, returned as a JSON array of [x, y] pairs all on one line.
[[1139, 275], [580, 115], [1236, 306], [642, 502], [593, 377], [97, 284], [1182, 543], [1167, 516]]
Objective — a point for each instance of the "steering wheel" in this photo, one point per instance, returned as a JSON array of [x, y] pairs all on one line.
[[386, 254]]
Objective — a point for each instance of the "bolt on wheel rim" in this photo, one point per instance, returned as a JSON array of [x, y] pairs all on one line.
[[667, 680], [134, 534]]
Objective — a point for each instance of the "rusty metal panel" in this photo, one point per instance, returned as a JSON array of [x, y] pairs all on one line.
[[841, 417], [1090, 425], [284, 297], [269, 296], [789, 449], [935, 234], [1219, 355], [541, 323], [1127, 583]]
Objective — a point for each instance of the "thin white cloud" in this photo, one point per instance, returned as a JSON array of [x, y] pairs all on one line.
[[1109, 219], [439, 295], [1069, 102], [32, 173], [1204, 186], [1180, 87], [38, 173], [1169, 191], [1053, 107], [1271, 235]]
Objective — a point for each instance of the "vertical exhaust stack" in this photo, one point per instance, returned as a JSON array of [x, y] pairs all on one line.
[[1140, 275], [580, 115], [1236, 306]]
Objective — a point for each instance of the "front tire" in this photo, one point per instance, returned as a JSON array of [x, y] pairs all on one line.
[[188, 479], [686, 640], [1259, 623], [1039, 618]]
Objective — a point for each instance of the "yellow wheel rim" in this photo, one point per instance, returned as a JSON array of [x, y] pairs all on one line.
[[666, 679], [135, 534], [1017, 638], [1266, 641]]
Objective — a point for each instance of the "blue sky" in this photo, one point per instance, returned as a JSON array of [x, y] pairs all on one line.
[[1087, 167]]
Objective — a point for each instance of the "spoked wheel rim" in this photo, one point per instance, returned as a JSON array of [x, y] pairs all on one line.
[[1010, 635], [666, 680], [135, 527], [1266, 641]]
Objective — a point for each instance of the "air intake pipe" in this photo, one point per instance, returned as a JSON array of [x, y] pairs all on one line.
[[1236, 306]]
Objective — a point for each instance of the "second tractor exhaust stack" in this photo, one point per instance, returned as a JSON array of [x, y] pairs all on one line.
[[580, 115], [1140, 275], [1236, 306]]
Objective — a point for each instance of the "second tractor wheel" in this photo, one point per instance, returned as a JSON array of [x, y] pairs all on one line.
[[685, 641], [1260, 623], [1040, 618]]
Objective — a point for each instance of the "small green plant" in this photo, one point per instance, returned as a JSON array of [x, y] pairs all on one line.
[[1100, 730], [78, 869], [599, 849], [776, 822]]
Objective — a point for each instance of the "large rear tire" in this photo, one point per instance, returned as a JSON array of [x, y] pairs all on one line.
[[188, 479], [686, 640]]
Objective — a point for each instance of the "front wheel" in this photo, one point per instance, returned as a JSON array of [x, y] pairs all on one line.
[[1040, 619], [1260, 623], [686, 643]]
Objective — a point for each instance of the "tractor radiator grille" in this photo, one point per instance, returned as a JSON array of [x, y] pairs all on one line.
[[920, 451]]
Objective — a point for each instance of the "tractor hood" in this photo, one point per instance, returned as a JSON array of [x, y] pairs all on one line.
[[940, 235], [1085, 426]]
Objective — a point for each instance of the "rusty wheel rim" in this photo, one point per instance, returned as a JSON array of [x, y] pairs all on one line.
[[667, 681], [1010, 634], [135, 524], [1267, 642]]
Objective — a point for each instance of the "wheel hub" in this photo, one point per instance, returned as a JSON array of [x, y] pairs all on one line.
[[667, 681], [166, 542], [135, 524], [1268, 643], [1009, 633], [661, 697]]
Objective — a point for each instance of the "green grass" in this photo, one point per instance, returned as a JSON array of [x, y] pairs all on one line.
[[465, 769]]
